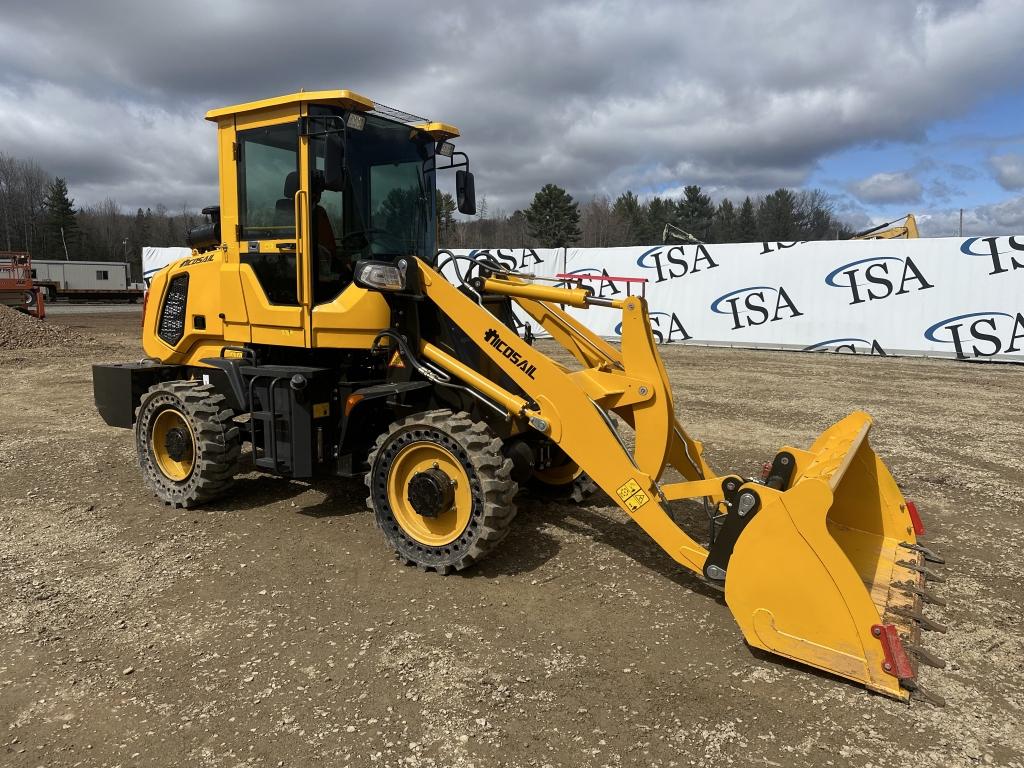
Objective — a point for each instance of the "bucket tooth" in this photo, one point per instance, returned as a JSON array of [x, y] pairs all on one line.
[[929, 555], [924, 594], [928, 573], [920, 618], [919, 692], [924, 656]]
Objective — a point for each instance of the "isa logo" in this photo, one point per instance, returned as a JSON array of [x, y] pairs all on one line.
[[666, 327], [670, 263], [848, 345], [756, 305], [527, 257], [878, 278], [980, 334], [1001, 250], [602, 288]]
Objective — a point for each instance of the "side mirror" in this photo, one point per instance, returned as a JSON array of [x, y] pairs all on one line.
[[334, 162], [465, 192]]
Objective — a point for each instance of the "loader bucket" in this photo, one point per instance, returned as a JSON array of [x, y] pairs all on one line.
[[828, 571]]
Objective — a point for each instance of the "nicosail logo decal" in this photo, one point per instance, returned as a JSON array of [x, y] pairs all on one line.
[[996, 332], [673, 262], [848, 345], [756, 305], [666, 327], [493, 338], [992, 250], [878, 278], [196, 260]]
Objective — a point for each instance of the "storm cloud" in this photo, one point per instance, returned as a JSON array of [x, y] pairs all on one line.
[[598, 97]]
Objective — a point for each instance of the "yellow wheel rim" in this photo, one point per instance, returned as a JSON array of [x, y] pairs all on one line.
[[449, 524], [173, 444]]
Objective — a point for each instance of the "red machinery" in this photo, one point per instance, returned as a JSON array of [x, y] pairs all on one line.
[[16, 287]]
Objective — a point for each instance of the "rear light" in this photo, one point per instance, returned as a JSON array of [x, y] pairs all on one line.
[[915, 518], [351, 402]]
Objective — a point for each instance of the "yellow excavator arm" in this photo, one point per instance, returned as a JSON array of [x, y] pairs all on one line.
[[886, 231]]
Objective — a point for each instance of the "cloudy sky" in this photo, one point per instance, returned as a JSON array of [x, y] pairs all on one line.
[[891, 106]]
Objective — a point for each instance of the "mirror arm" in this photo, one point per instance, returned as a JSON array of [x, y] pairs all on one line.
[[452, 163]]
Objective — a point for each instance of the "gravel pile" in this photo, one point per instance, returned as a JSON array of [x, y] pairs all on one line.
[[21, 331]]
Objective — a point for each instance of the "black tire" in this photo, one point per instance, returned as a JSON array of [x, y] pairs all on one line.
[[215, 443], [577, 490], [562, 482], [478, 452]]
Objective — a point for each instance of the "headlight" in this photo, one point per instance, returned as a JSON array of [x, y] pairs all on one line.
[[381, 275]]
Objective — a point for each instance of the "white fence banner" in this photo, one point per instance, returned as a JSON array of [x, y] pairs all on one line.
[[949, 297], [154, 259]]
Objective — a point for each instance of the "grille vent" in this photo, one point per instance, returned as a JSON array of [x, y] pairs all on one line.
[[172, 315]]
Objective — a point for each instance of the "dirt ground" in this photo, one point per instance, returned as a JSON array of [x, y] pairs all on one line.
[[277, 630]]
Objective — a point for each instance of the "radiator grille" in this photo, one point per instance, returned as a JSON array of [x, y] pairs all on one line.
[[172, 314]]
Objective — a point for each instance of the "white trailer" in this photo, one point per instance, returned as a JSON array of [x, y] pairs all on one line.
[[88, 280]]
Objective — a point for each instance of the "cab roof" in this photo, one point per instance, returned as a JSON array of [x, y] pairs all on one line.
[[344, 99]]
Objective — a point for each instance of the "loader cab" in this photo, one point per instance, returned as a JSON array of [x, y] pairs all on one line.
[[310, 184]]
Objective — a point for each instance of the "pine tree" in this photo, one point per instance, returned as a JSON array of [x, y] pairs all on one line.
[[61, 220], [628, 209], [554, 218], [777, 216], [724, 227], [659, 213], [696, 212], [746, 223]]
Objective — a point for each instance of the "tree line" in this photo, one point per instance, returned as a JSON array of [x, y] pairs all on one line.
[[38, 215], [555, 220]]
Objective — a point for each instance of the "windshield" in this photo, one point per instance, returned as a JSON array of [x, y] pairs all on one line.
[[387, 202]]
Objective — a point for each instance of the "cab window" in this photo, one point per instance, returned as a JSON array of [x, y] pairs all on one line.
[[268, 176]]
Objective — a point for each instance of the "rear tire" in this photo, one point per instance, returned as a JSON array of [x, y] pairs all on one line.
[[466, 525], [188, 446]]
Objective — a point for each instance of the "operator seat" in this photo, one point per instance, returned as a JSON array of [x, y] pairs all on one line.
[[333, 270], [284, 210]]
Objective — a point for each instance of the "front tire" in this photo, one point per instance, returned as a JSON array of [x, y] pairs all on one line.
[[187, 443], [441, 490]]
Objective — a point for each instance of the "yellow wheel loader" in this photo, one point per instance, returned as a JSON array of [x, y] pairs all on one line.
[[312, 324]]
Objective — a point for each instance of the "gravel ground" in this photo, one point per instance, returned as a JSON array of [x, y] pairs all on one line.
[[277, 630], [21, 331]]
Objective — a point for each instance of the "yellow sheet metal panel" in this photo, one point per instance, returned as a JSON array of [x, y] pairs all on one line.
[[438, 131], [343, 99], [351, 320]]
